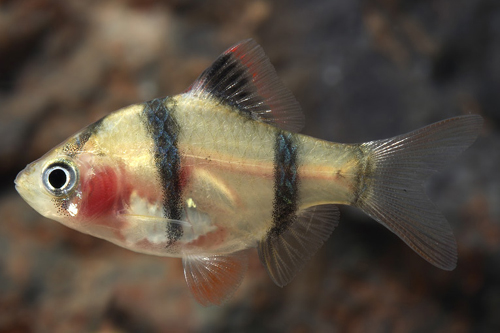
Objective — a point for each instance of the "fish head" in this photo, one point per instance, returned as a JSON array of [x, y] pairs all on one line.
[[52, 178], [51, 184], [71, 184]]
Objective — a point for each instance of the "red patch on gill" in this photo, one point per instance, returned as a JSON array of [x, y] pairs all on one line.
[[100, 193]]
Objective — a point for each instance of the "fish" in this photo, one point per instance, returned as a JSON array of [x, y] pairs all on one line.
[[212, 173]]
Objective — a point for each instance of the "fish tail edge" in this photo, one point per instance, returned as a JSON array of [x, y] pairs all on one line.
[[392, 187]]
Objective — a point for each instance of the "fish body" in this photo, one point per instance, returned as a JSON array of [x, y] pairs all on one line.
[[219, 169]]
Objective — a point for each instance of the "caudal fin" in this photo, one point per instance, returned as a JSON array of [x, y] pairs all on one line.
[[393, 191]]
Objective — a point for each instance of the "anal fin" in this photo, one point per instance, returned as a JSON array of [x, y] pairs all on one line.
[[285, 254], [213, 279]]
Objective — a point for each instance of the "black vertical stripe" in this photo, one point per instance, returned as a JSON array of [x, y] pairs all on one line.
[[286, 183], [164, 130], [75, 146]]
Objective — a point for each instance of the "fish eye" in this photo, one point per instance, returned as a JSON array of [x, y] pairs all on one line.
[[60, 178]]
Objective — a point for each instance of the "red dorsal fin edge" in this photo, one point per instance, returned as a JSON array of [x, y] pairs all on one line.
[[244, 78]]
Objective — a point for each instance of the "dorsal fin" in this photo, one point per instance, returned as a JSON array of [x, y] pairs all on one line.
[[243, 77]]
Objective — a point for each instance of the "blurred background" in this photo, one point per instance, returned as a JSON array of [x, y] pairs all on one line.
[[362, 70]]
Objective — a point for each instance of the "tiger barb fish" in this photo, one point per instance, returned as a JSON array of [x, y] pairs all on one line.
[[220, 169]]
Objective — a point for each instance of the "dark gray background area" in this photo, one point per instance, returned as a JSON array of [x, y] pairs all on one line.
[[361, 70]]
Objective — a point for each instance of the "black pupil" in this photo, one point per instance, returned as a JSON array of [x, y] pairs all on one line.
[[57, 178]]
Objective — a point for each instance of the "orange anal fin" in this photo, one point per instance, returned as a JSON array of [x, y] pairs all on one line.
[[213, 279]]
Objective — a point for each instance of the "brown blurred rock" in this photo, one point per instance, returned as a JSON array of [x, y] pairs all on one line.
[[361, 70]]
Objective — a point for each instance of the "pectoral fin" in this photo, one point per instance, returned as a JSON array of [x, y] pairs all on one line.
[[213, 279], [208, 188]]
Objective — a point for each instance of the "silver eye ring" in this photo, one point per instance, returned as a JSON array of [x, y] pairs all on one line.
[[60, 178]]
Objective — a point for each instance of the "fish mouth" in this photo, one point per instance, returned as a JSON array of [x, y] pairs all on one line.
[[17, 181], [23, 183], [30, 189], [19, 184]]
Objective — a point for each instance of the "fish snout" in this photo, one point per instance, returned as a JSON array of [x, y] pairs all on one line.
[[24, 184]]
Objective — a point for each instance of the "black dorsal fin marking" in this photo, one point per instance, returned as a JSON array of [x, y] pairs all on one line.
[[244, 77]]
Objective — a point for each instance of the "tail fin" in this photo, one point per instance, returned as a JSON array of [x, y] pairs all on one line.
[[393, 192]]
